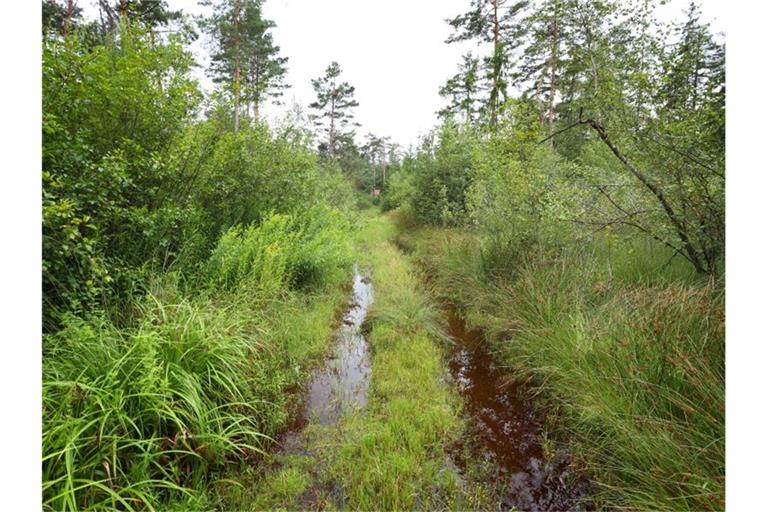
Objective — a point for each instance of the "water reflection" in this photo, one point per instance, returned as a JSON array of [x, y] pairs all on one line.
[[344, 379]]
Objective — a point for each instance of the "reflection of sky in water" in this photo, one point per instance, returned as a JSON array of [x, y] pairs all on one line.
[[343, 381]]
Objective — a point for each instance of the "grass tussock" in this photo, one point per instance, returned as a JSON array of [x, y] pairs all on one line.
[[626, 345]]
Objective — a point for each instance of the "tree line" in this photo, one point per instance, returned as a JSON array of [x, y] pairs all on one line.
[[633, 106]]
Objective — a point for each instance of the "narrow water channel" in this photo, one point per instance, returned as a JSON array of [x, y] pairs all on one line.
[[343, 381], [341, 384], [507, 431]]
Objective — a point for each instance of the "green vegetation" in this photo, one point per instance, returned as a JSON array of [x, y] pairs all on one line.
[[391, 455], [570, 203], [583, 230], [149, 415], [191, 275], [627, 350], [411, 416]]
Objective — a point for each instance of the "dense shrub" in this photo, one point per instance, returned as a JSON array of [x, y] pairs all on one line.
[[283, 250], [401, 188], [133, 185], [577, 274], [109, 111], [443, 173]]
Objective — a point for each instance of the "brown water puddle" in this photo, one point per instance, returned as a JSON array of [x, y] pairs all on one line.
[[506, 430], [340, 385]]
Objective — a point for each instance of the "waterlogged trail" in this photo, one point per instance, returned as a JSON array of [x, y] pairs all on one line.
[[338, 387], [506, 431], [379, 416], [397, 419], [342, 383]]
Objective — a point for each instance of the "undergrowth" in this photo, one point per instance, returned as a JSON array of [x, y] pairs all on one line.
[[149, 416], [626, 345]]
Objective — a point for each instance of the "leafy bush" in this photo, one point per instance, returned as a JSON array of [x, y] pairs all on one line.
[[133, 186], [401, 189], [110, 111], [443, 175], [149, 388]]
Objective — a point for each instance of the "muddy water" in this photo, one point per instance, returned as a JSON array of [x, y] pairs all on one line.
[[339, 385], [507, 431], [343, 381]]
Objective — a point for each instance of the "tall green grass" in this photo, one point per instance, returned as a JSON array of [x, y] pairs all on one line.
[[150, 416], [626, 345]]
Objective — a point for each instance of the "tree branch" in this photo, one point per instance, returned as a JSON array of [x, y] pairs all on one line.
[[693, 255]]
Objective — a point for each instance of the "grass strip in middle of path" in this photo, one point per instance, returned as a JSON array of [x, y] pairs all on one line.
[[392, 455]]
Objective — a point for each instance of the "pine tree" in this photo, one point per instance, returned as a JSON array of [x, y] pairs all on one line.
[[376, 151], [60, 17], [691, 64], [463, 91], [266, 69], [150, 13], [542, 59], [335, 101], [496, 22], [244, 57]]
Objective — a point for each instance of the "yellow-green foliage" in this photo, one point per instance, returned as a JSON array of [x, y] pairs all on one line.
[[134, 183], [299, 250]]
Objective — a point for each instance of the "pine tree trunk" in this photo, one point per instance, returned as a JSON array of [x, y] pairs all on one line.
[[122, 10], [257, 92], [331, 134], [553, 75], [68, 17], [237, 66], [540, 102], [496, 65]]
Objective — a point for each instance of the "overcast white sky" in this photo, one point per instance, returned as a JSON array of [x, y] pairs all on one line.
[[392, 51]]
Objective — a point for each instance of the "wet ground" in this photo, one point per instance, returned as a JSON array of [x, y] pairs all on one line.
[[343, 381], [340, 385], [507, 431]]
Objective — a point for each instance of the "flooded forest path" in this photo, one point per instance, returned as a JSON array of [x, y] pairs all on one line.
[[410, 410]]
